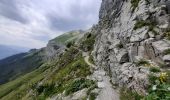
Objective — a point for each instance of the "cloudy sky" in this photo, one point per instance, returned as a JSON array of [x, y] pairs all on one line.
[[31, 23]]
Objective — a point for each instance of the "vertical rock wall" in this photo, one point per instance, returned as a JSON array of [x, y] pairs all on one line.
[[125, 36]]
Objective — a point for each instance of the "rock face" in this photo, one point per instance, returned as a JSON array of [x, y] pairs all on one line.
[[127, 33], [53, 50]]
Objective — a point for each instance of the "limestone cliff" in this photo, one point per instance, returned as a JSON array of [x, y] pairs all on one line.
[[122, 57], [128, 32]]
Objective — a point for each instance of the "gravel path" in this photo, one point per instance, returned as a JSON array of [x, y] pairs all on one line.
[[87, 61], [107, 92]]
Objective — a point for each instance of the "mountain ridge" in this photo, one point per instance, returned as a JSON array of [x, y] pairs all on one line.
[[125, 57], [25, 62]]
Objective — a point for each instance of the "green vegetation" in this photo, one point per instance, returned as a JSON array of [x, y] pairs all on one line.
[[93, 96], [78, 85], [46, 89], [64, 81], [162, 65], [119, 46], [69, 44], [150, 24], [166, 52], [67, 37], [159, 92], [152, 78], [168, 78], [140, 24], [19, 64], [23, 63], [143, 23], [73, 63], [91, 59], [134, 4], [160, 87], [127, 94], [70, 55], [154, 69], [167, 34], [143, 62], [16, 89], [88, 42], [67, 73], [91, 88]]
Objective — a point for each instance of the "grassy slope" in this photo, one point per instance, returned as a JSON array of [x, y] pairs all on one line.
[[30, 62], [63, 39], [17, 65], [54, 77], [18, 87], [54, 73]]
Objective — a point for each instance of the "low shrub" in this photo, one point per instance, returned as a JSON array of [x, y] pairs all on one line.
[[69, 44], [93, 96], [142, 62], [162, 65], [92, 88], [152, 78], [89, 35], [159, 92], [166, 52], [167, 35], [91, 59], [78, 85], [87, 43], [160, 88], [150, 24], [68, 56], [46, 89], [119, 46], [154, 69], [65, 77], [163, 77], [127, 94], [140, 24], [168, 78], [134, 4]]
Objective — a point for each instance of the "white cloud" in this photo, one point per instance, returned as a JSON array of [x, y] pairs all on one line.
[[34, 22], [14, 33]]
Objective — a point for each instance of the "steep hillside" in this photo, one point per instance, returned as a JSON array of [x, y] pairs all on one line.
[[51, 79], [60, 78], [67, 37], [16, 65], [126, 56]]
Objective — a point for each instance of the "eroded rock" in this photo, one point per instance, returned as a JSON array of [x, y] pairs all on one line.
[[117, 22]]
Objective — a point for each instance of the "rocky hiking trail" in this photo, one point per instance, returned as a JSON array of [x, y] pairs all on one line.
[[103, 82]]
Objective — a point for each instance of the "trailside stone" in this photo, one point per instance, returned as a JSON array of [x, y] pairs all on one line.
[[161, 45], [122, 56], [139, 35], [166, 58]]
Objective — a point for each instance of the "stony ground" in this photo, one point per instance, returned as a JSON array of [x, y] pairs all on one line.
[[103, 81]]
